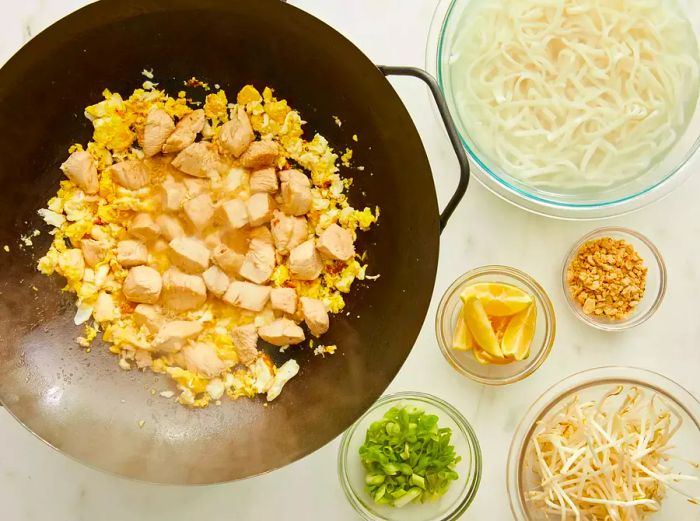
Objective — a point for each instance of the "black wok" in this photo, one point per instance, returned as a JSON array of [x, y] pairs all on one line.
[[82, 403]]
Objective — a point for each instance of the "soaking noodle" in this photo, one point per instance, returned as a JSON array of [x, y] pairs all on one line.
[[566, 94]]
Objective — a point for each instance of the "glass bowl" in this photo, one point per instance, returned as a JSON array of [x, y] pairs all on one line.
[[464, 361], [656, 280], [457, 498], [592, 384], [663, 176]]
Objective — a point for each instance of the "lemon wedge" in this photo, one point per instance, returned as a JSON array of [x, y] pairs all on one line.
[[480, 326], [485, 359], [462, 340], [499, 299], [519, 333]]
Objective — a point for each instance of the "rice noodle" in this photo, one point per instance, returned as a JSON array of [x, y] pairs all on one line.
[[574, 93]]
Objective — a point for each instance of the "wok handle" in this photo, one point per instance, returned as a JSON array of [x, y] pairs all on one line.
[[452, 133]]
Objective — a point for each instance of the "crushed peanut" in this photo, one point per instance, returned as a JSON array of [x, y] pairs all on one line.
[[607, 277]]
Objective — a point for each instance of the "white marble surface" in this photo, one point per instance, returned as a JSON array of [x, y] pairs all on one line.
[[36, 483]]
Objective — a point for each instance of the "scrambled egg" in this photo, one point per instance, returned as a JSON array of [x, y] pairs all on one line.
[[103, 216]]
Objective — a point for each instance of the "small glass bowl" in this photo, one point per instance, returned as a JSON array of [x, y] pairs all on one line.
[[464, 361], [461, 492], [656, 279], [592, 384]]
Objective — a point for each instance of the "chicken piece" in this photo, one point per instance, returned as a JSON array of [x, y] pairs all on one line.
[[284, 299], [282, 332], [261, 233], [159, 125], [284, 373], [232, 214], [288, 232], [94, 251], [227, 259], [336, 243], [315, 315], [105, 310], [233, 180], [296, 192], [143, 227], [170, 227], [216, 280], [202, 359], [80, 168], [305, 262], [247, 295], [260, 207], [143, 359], [259, 261], [237, 134], [195, 185], [142, 284], [199, 160], [132, 174], [183, 292], [212, 239], [264, 180], [172, 335], [245, 340], [131, 253], [185, 132], [260, 154], [199, 211], [190, 255], [173, 194], [147, 316]]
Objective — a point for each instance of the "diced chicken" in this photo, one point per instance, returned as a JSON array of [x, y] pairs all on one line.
[[237, 134], [212, 239], [233, 180], [260, 154], [159, 125], [143, 285], [232, 214], [284, 373], [81, 170], [189, 254], [105, 310], [216, 280], [170, 227], [305, 262], [259, 261], [172, 335], [183, 292], [173, 194], [247, 295], [131, 253], [199, 160], [148, 316], [288, 232], [202, 359], [315, 315], [132, 174], [282, 332], [143, 227], [199, 211], [260, 207], [227, 259], [264, 180], [336, 243], [143, 359], [195, 185], [185, 132], [296, 192], [245, 340], [261, 233], [284, 299], [94, 251]]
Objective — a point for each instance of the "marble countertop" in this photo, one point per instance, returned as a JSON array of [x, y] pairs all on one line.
[[37, 483]]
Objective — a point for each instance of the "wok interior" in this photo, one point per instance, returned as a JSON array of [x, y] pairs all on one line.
[[82, 403]]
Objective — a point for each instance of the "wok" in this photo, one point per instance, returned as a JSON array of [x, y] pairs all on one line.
[[82, 403]]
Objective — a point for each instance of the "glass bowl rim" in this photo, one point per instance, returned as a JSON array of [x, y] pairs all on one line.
[[635, 320], [555, 393], [544, 202], [547, 309], [465, 499]]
